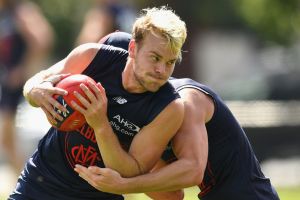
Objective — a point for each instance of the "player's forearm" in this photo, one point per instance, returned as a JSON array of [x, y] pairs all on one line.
[[173, 195], [113, 155], [177, 175]]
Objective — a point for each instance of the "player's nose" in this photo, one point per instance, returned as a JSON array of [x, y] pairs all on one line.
[[160, 68]]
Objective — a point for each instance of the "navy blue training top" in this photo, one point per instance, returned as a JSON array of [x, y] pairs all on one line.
[[49, 174], [232, 171]]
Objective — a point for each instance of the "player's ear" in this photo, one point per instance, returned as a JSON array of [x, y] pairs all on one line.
[[132, 48]]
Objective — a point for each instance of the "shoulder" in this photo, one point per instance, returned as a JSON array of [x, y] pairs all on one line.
[[82, 55], [161, 99], [117, 39], [172, 114], [191, 91], [166, 93], [198, 103], [87, 49], [177, 106], [175, 109], [199, 100], [90, 50]]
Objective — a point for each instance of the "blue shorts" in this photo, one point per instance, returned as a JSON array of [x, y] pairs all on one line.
[[10, 97]]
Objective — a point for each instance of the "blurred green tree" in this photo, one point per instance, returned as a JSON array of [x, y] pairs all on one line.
[[66, 17], [274, 20], [271, 20]]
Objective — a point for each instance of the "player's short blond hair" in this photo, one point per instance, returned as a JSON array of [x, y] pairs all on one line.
[[162, 21]]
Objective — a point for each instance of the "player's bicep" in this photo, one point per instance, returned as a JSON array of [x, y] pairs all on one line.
[[192, 134], [77, 61], [191, 141], [192, 144]]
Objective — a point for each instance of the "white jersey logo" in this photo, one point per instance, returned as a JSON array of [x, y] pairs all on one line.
[[124, 126], [120, 100]]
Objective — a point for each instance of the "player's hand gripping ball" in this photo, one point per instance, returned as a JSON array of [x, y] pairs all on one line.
[[72, 119]]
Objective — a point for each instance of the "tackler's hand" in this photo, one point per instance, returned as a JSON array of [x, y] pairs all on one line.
[[103, 179]]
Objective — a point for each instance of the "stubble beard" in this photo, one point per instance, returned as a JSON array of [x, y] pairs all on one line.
[[146, 85], [149, 86]]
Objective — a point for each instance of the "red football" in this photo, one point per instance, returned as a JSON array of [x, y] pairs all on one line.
[[72, 118]]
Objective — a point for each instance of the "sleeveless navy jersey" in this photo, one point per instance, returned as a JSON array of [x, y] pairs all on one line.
[[49, 174], [232, 171]]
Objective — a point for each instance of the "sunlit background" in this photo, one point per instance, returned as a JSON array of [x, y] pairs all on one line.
[[248, 51]]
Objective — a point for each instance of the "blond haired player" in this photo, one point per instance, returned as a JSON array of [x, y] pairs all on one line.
[[130, 119]]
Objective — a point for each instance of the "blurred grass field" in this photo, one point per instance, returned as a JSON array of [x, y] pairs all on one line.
[[292, 193]]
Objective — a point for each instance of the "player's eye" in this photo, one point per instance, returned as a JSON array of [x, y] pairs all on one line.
[[155, 58], [171, 62]]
